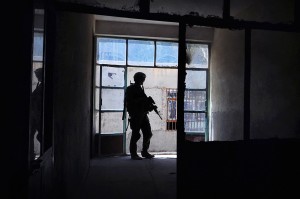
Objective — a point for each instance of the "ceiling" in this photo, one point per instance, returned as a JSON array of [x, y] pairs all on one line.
[[235, 8]]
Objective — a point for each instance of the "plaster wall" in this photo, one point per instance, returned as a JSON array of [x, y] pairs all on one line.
[[145, 29], [227, 85], [274, 79], [274, 73], [275, 85], [273, 11], [72, 93]]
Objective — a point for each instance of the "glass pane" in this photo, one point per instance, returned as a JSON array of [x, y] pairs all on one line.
[[172, 104], [166, 54], [195, 79], [111, 123], [97, 93], [111, 51], [97, 121], [194, 122], [140, 53], [194, 100], [112, 76], [197, 56], [97, 76], [38, 41], [156, 77], [112, 99]]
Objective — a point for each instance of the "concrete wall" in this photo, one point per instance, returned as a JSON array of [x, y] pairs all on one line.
[[275, 85], [274, 11], [274, 80], [177, 7], [72, 94], [227, 85], [145, 29]]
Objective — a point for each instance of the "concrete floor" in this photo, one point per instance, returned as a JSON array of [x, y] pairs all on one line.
[[120, 177]]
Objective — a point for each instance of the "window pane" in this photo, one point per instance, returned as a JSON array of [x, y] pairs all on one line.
[[194, 100], [112, 99], [195, 79], [140, 53], [97, 121], [97, 76], [97, 98], [197, 56], [111, 51], [166, 54], [194, 122], [38, 40], [113, 76], [172, 104], [111, 123]]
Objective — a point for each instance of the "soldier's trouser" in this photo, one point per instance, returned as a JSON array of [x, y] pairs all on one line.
[[137, 124]]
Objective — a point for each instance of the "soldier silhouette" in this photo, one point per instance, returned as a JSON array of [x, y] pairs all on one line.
[[138, 106], [36, 111]]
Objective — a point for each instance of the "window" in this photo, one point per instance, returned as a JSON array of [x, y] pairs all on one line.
[[196, 92], [117, 59], [171, 109], [195, 98]]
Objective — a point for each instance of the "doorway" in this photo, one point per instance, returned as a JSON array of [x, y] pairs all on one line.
[[117, 60]]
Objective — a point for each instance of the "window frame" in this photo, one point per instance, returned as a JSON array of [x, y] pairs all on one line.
[[206, 70], [207, 89]]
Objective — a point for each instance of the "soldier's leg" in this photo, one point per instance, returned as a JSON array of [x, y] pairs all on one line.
[[147, 134], [135, 136]]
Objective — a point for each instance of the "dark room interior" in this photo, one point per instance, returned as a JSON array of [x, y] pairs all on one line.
[[249, 142]]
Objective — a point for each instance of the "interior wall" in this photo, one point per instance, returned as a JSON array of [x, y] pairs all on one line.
[[227, 85], [157, 31], [274, 82], [273, 11], [16, 94], [275, 85], [72, 100], [136, 29], [174, 7]]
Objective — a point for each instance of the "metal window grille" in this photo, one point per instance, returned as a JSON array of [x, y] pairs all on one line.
[[171, 109], [194, 101]]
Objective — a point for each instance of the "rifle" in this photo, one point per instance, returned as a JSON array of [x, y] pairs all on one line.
[[153, 106]]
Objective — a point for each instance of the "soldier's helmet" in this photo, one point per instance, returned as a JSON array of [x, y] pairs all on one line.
[[139, 76]]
